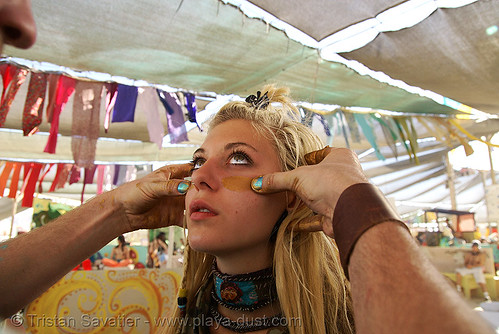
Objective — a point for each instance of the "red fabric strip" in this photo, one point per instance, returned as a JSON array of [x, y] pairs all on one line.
[[65, 88], [7, 100], [60, 167], [40, 188], [31, 184]]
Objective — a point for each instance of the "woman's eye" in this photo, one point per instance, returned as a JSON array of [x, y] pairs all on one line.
[[238, 159], [197, 163]]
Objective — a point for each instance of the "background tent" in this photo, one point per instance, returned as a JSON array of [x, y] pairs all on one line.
[[234, 47]]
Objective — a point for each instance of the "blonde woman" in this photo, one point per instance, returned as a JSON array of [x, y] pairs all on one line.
[[260, 258]]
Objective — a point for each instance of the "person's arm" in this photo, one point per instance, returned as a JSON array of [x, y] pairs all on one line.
[[395, 289], [34, 261], [126, 253]]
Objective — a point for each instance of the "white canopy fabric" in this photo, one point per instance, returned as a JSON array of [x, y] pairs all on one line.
[[210, 46]]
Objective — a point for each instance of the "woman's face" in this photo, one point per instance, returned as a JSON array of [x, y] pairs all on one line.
[[224, 216]]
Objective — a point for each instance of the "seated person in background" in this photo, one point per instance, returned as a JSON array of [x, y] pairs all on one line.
[[157, 252], [474, 263], [120, 255]]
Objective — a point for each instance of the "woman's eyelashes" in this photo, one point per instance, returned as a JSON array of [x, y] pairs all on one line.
[[235, 158], [239, 158]]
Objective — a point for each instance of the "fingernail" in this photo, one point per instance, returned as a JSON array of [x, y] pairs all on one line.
[[257, 183], [183, 187]]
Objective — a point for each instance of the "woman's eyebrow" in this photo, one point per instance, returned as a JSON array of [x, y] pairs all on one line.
[[231, 146], [199, 150]]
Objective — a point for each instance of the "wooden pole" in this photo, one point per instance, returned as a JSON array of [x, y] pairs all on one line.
[[492, 171], [171, 245], [450, 182]]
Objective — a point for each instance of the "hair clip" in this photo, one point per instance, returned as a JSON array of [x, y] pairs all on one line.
[[259, 101]]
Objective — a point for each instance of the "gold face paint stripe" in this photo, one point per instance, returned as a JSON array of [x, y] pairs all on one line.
[[237, 183]]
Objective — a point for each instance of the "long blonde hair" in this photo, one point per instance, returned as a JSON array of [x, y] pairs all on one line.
[[313, 292]]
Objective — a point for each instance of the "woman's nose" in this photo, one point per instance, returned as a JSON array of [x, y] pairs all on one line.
[[206, 177], [17, 25]]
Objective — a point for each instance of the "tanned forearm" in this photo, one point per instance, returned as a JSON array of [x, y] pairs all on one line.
[[395, 289], [32, 262]]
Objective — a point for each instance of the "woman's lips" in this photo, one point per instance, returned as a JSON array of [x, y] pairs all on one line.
[[200, 210]]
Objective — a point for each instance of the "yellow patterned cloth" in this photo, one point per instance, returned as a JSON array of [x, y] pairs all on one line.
[[105, 301]]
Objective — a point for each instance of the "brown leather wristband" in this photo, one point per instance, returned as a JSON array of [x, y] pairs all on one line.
[[360, 207]]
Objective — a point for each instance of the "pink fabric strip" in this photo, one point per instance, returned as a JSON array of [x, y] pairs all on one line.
[[148, 101], [85, 130], [65, 88], [100, 178], [33, 108], [7, 100], [112, 93]]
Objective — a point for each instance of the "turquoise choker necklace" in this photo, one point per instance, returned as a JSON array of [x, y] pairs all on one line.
[[244, 292]]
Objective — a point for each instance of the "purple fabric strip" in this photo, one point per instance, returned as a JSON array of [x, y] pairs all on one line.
[[124, 108], [176, 123], [190, 103]]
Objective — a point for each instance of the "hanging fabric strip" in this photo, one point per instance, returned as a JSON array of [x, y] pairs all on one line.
[[29, 188], [411, 137], [5, 176], [100, 178], [74, 175], [52, 83], [116, 174], [14, 181], [124, 108], [389, 134], [176, 124], [148, 102], [85, 126], [398, 122], [368, 133], [17, 81], [453, 134], [324, 123], [112, 92], [352, 125], [341, 119], [65, 88], [60, 167], [469, 135], [87, 179], [190, 103], [332, 122], [131, 173], [8, 72], [40, 182], [431, 131], [33, 107], [63, 178], [307, 117], [120, 176]]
